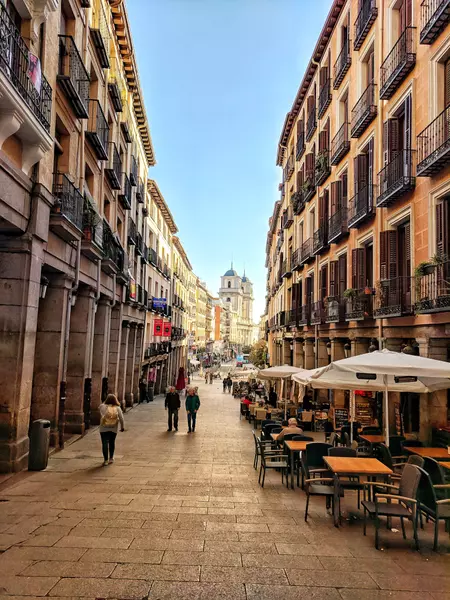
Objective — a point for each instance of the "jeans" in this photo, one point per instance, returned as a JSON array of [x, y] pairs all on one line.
[[108, 443], [192, 418], [173, 412]]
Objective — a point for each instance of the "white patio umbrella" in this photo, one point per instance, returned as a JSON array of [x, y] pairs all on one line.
[[382, 371], [281, 372]]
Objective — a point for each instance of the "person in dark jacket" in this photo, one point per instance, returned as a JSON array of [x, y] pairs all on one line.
[[192, 406], [273, 398], [172, 405]]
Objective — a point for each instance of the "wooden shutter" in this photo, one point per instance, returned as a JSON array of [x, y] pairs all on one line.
[[393, 138], [442, 228], [294, 296], [408, 249], [309, 290], [342, 268], [344, 193], [336, 196], [388, 255], [360, 171], [323, 77], [323, 140], [358, 264], [299, 128], [333, 277], [325, 212], [323, 282], [447, 83], [408, 125]]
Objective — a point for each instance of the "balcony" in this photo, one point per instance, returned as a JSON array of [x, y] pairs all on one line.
[[281, 319], [323, 167], [338, 225], [140, 192], [433, 290], [287, 218], [286, 268], [139, 245], [125, 192], [320, 239], [72, 76], [306, 252], [304, 314], [144, 255], [301, 146], [397, 178], [433, 145], [434, 16], [317, 313], [298, 202], [131, 232], [97, 131], [152, 257], [364, 111], [295, 260], [359, 307], [366, 16], [92, 242], [399, 62], [342, 65], [324, 98], [113, 254], [333, 310], [66, 217], [114, 167], [100, 34], [292, 316], [19, 94], [361, 206], [394, 298], [289, 168], [115, 87], [134, 172], [311, 123], [340, 145]]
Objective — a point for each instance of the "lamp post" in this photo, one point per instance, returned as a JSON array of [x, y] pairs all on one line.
[[347, 349], [43, 287], [328, 346]]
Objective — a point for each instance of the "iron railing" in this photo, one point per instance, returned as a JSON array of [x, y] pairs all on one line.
[[433, 290], [333, 310], [131, 232], [301, 146], [69, 201], [139, 244], [140, 191], [289, 168], [338, 225], [286, 268], [304, 315], [317, 313], [361, 206], [152, 257], [97, 131], [134, 171], [100, 34], [125, 192], [320, 238], [114, 167], [434, 16], [298, 202], [323, 167], [433, 145], [306, 252], [340, 144], [360, 306], [324, 98], [111, 248], [92, 224], [295, 261], [398, 63], [342, 64], [287, 218], [364, 111], [72, 76], [366, 16], [311, 123], [394, 297], [396, 178], [309, 185], [16, 65]]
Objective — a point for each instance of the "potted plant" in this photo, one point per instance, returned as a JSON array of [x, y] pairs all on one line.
[[424, 268], [349, 293], [322, 162], [438, 259], [90, 221]]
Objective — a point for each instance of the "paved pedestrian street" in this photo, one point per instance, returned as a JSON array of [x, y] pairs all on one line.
[[182, 516]]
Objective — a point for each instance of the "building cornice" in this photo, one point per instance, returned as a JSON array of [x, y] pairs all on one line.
[[178, 245], [155, 193]]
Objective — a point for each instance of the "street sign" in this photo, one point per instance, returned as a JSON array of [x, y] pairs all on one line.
[[159, 302]]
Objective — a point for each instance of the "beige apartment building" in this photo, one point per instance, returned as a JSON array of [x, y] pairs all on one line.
[[359, 242]]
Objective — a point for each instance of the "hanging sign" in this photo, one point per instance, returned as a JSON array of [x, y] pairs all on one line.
[[159, 302], [132, 289], [158, 327], [167, 329], [34, 72]]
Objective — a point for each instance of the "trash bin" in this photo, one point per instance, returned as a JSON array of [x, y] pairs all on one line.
[[39, 445]]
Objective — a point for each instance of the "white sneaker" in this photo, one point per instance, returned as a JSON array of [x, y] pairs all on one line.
[[111, 460], [105, 464]]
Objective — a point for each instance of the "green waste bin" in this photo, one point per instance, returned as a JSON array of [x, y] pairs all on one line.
[[39, 445]]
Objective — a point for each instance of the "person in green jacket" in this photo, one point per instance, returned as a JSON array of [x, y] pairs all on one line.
[[192, 406]]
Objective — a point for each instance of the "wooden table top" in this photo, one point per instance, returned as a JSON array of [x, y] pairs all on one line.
[[373, 439], [428, 452], [296, 446], [356, 466], [446, 465], [274, 436]]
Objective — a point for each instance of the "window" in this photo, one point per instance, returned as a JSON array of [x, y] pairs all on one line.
[[443, 227], [229, 284], [395, 253]]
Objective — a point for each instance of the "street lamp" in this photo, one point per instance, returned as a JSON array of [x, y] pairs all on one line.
[[347, 350], [328, 348], [373, 347], [44, 285]]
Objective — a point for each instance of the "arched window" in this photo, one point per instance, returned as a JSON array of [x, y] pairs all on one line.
[[228, 299], [229, 284]]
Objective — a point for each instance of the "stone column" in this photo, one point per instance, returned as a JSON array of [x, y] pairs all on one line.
[[49, 354], [308, 349], [100, 355], [78, 359], [138, 360], [299, 357], [322, 354], [164, 376], [286, 352], [338, 353], [433, 407], [359, 346], [115, 343], [123, 361], [131, 353]]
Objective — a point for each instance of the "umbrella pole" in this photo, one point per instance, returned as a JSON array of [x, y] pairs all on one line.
[[352, 414], [285, 401], [386, 410]]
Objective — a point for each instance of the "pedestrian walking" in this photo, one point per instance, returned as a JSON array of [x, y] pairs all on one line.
[[225, 384], [229, 384], [181, 380], [211, 377], [192, 406], [110, 417], [142, 390], [172, 405]]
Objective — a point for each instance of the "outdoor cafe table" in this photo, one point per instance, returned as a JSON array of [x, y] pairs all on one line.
[[436, 453], [373, 439], [446, 465], [294, 447]]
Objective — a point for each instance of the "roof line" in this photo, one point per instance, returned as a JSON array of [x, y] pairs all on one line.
[[155, 193], [181, 250]]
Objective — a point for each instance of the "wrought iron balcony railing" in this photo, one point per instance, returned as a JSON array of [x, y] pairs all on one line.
[[92, 225], [73, 77], [152, 257], [360, 307], [317, 313], [301, 146], [397, 178], [324, 98], [131, 232], [125, 192], [320, 239], [139, 244], [134, 171], [286, 268], [398, 63], [311, 123], [69, 201], [366, 16], [97, 131], [434, 16], [113, 254], [338, 225], [433, 145], [364, 111], [308, 188], [113, 169], [361, 206], [295, 261], [287, 218], [15, 64], [394, 297], [342, 65], [323, 167], [140, 191], [289, 168], [100, 34], [306, 252], [298, 202], [304, 315], [292, 316], [433, 290], [333, 310], [340, 144]]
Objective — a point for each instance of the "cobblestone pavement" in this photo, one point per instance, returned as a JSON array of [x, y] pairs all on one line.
[[182, 516]]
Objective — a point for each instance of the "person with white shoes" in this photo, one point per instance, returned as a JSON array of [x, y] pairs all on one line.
[[110, 417]]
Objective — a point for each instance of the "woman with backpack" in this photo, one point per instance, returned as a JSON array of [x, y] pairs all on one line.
[[110, 416]]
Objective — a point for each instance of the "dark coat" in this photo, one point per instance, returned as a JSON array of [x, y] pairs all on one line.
[[172, 401]]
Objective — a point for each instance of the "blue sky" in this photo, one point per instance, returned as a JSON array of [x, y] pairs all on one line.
[[218, 77]]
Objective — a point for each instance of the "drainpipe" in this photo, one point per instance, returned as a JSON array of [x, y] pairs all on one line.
[[380, 213]]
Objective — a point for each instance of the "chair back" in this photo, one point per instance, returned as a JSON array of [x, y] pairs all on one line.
[[267, 422], [433, 468], [306, 416], [426, 494], [412, 443], [260, 414], [409, 481], [255, 439], [314, 453], [275, 429], [288, 436], [395, 444], [342, 452], [415, 459], [371, 431], [384, 455], [302, 438]]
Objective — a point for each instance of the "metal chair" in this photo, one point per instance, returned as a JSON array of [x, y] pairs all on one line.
[[330, 488], [400, 501], [352, 482], [273, 459], [396, 447], [258, 443], [431, 506], [312, 460]]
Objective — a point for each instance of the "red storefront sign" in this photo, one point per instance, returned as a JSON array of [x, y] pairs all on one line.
[[158, 327], [167, 329]]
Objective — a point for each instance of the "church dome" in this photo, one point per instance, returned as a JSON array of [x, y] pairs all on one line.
[[230, 273]]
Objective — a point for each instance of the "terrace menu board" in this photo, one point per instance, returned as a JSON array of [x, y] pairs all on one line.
[[340, 417]]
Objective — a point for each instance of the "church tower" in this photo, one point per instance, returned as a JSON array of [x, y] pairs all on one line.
[[231, 290]]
